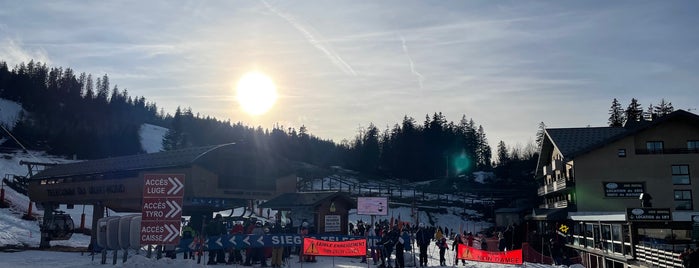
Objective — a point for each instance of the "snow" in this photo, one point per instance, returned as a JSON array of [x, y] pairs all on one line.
[[9, 113], [152, 137]]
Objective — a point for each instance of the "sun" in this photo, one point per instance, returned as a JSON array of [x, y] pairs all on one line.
[[256, 93]]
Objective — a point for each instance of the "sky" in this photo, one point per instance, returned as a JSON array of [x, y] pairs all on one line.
[[340, 65]]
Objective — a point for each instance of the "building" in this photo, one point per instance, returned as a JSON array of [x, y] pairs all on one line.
[[213, 178], [622, 196]]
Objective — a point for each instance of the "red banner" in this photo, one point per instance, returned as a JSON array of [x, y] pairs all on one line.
[[504, 257], [334, 248]]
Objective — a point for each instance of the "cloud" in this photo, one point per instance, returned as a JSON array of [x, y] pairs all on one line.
[[13, 53], [313, 40], [420, 78]]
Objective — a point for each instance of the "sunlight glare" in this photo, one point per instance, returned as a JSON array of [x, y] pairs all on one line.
[[256, 93]]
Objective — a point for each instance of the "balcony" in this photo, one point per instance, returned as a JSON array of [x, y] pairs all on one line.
[[667, 151], [558, 204], [547, 170], [557, 164], [557, 185]]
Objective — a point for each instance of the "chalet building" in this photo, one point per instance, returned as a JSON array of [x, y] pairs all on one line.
[[622, 196]]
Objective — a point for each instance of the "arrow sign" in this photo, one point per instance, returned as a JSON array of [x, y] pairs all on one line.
[[175, 209], [261, 240], [159, 233], [232, 240], [161, 209], [163, 185], [177, 186], [245, 240]]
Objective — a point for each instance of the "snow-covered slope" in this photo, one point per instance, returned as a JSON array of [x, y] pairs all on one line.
[[152, 137], [9, 113]]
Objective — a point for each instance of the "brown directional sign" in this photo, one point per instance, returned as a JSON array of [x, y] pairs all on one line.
[[161, 208]]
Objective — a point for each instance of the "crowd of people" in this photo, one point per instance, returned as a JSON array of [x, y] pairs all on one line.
[[239, 255], [399, 237], [390, 240]]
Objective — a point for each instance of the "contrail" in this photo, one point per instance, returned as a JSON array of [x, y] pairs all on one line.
[[420, 78], [334, 57]]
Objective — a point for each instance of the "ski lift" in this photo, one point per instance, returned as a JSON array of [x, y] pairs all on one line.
[[60, 226]]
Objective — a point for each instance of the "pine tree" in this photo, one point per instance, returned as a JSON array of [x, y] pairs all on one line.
[[648, 115], [540, 135], [174, 138], [484, 152], [616, 114], [503, 155], [663, 108], [634, 111]]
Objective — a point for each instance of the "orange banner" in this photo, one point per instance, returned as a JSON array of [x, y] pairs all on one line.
[[334, 248], [505, 257]]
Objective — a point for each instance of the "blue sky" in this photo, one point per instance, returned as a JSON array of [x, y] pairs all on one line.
[[340, 65]]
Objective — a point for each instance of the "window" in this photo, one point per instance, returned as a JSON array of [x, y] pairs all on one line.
[[693, 146], [683, 200], [654, 147], [680, 174], [621, 153]]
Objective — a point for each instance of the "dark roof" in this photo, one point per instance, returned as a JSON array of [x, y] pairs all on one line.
[[304, 199], [576, 141], [571, 141], [175, 158]]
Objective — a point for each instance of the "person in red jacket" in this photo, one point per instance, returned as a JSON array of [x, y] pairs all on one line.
[[234, 256]]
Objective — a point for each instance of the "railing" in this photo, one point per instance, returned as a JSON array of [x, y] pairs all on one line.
[[18, 183], [668, 151], [658, 257], [558, 204], [555, 186]]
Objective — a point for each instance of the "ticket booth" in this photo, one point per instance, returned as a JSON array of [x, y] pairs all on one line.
[[326, 212]]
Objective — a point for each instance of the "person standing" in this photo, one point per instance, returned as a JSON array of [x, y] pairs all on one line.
[[402, 244], [257, 253], [213, 230], [188, 233], [459, 239], [423, 240], [442, 245], [303, 231], [234, 256], [484, 242], [277, 250]]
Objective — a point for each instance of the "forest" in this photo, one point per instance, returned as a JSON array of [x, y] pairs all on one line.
[[87, 117]]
